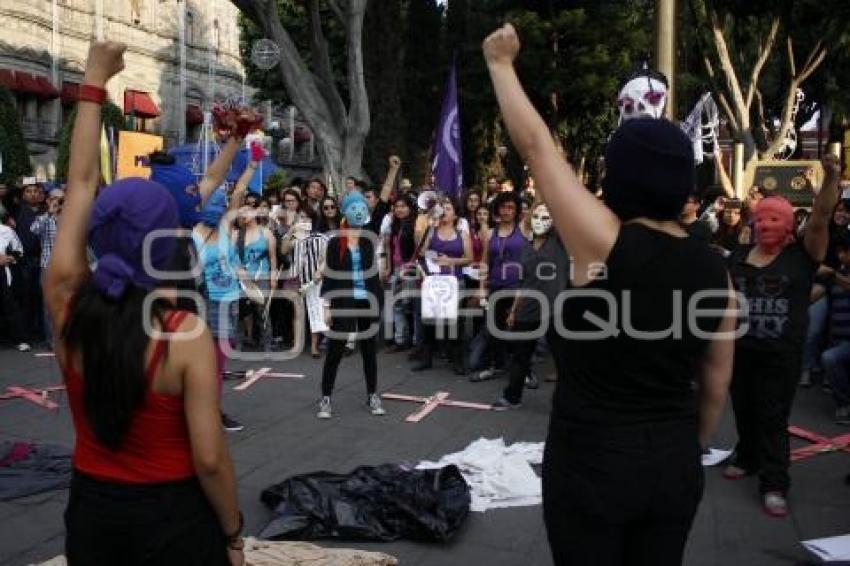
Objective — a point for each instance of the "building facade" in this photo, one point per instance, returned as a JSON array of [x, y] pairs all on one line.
[[43, 47]]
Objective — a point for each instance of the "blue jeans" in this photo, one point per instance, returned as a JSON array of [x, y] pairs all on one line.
[[401, 314], [818, 312], [836, 362]]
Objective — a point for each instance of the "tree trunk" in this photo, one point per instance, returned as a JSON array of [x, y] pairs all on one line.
[[340, 132]]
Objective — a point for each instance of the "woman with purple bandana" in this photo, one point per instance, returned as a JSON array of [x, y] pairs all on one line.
[[153, 478]]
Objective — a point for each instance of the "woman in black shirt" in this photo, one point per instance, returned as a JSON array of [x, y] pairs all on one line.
[[622, 476], [776, 275]]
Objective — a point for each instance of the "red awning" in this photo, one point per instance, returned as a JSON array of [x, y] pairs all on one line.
[[48, 91], [194, 115], [7, 79], [27, 84], [70, 92], [139, 104]]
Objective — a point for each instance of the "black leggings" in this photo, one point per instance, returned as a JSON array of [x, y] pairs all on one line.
[[337, 346], [762, 390], [621, 496], [168, 523]]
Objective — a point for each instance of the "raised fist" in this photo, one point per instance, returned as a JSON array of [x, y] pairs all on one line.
[[395, 161], [501, 46], [831, 169], [105, 60]]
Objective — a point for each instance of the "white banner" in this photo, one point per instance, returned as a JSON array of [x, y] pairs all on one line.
[[315, 309], [439, 297]]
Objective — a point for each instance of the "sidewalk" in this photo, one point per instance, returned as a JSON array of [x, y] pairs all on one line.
[[282, 437]]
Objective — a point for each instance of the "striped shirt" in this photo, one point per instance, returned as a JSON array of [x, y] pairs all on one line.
[[308, 255], [44, 226], [839, 313]]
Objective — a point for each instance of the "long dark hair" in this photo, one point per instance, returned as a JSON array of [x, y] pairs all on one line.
[[112, 341], [324, 225], [404, 228]]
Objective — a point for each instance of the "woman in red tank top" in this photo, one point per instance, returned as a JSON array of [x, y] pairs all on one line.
[[153, 479]]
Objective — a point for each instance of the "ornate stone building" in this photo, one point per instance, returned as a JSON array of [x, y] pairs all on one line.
[[43, 45]]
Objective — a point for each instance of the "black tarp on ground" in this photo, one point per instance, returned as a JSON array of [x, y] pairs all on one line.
[[377, 503], [27, 469]]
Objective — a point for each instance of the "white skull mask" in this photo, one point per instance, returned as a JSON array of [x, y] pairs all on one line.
[[642, 97], [541, 221]]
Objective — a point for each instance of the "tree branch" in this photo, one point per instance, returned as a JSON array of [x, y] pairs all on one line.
[[764, 53], [322, 63], [814, 60], [721, 96], [340, 15], [358, 124], [791, 63], [728, 70]]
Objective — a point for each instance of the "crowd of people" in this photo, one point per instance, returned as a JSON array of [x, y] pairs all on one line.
[[637, 397]]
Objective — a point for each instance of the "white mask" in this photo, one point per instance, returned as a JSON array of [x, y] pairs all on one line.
[[642, 97], [541, 222]]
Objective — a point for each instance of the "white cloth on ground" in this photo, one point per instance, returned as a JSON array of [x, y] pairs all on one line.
[[498, 475]]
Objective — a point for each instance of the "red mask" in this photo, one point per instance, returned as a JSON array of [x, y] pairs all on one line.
[[774, 224]]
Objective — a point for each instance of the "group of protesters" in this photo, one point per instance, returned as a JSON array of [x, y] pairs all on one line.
[[636, 400]]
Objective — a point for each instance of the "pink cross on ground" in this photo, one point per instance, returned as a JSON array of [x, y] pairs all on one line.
[[440, 398], [39, 396], [820, 444], [253, 376]]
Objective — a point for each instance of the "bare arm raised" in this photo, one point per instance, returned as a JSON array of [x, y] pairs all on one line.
[[587, 228]]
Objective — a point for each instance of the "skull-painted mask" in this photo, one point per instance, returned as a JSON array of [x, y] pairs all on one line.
[[642, 97]]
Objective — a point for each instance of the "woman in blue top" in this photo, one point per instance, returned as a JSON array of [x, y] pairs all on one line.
[[451, 249], [219, 262], [350, 282], [256, 246]]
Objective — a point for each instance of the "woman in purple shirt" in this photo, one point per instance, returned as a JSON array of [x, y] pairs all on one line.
[[449, 249], [502, 258]]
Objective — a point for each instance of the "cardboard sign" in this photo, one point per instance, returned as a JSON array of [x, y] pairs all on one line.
[[439, 297], [315, 309], [132, 148]]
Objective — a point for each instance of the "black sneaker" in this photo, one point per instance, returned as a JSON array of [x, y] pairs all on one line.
[[231, 425], [504, 405], [531, 381]]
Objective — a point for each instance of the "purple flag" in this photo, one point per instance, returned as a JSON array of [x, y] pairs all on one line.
[[447, 166]]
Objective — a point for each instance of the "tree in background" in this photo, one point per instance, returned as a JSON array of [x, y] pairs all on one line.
[[13, 147], [757, 54], [383, 58], [111, 116], [340, 120]]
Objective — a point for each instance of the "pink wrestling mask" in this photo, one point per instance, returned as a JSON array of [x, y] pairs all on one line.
[[774, 224]]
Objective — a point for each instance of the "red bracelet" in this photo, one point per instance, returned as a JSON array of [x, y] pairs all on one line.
[[91, 93]]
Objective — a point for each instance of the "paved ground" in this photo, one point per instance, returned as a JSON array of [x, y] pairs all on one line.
[[283, 437]]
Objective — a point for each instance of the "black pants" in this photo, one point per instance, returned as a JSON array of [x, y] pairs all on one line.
[[337, 346], [31, 299], [162, 524], [762, 389], [520, 364], [10, 312], [623, 496]]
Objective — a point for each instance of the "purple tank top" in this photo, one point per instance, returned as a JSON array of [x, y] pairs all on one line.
[[449, 248], [505, 259]]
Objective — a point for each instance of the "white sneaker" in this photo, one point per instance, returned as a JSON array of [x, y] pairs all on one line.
[[375, 405], [324, 408], [24, 347]]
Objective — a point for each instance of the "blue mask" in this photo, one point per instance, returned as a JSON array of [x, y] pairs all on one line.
[[182, 185], [214, 209], [357, 214]]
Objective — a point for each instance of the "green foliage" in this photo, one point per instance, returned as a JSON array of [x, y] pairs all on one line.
[[111, 116], [13, 147], [276, 181]]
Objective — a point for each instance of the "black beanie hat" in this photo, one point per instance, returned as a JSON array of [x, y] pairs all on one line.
[[649, 170]]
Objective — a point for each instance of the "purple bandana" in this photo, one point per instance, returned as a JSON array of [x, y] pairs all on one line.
[[123, 215]]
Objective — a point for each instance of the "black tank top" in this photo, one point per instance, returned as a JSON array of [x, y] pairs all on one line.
[[624, 375]]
